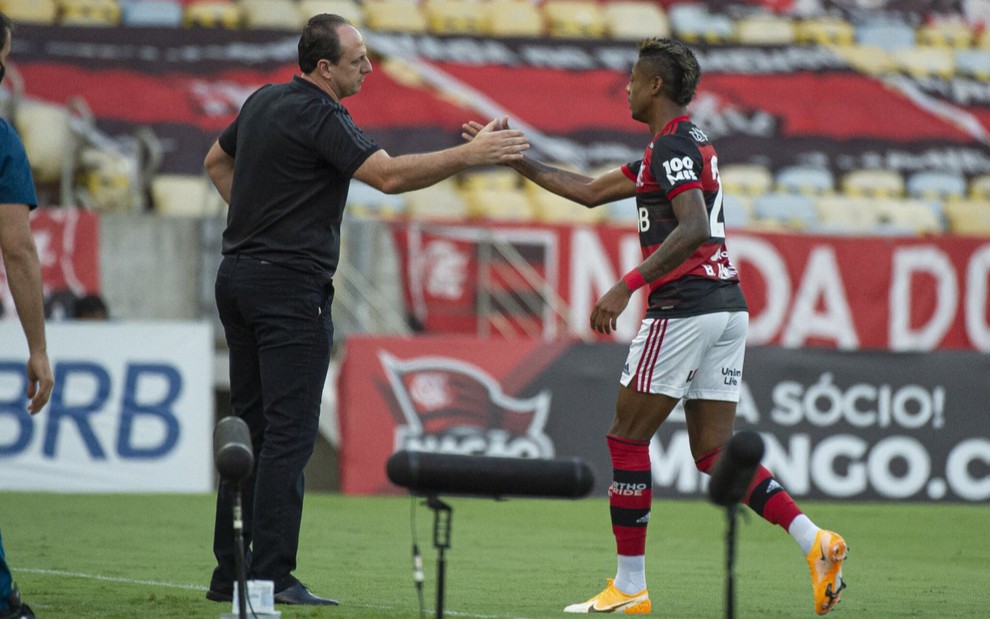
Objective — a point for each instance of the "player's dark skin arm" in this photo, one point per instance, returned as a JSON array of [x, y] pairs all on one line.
[[692, 230]]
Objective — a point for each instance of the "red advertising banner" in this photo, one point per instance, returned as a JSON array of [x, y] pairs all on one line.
[[887, 293], [68, 242], [864, 425]]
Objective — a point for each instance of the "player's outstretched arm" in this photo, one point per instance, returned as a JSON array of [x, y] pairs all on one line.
[[409, 172], [585, 190]]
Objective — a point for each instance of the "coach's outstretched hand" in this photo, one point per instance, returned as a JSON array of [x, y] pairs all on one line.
[[494, 143]]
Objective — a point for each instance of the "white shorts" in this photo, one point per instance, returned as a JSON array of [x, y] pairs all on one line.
[[697, 357]]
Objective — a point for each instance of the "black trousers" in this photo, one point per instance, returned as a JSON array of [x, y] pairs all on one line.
[[279, 330]]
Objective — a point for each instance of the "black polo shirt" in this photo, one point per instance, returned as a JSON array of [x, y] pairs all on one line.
[[294, 150]]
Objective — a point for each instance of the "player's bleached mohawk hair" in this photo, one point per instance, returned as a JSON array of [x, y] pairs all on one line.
[[676, 64]]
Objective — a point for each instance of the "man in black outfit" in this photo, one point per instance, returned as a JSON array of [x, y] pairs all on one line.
[[284, 167]]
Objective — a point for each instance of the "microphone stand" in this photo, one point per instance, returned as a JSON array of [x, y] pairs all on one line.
[[730, 559], [239, 560], [441, 541]]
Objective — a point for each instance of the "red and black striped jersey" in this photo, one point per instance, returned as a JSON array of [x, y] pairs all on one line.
[[681, 158]]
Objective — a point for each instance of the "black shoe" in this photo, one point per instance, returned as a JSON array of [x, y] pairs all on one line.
[[219, 596], [299, 594]]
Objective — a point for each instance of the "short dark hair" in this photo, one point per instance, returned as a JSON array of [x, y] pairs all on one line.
[[676, 65], [5, 27], [320, 40]]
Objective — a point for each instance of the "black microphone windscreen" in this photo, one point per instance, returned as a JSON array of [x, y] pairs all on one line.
[[232, 452], [428, 473], [735, 468]]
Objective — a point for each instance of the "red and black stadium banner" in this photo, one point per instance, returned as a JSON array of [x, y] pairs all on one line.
[[851, 293], [836, 425], [771, 105]]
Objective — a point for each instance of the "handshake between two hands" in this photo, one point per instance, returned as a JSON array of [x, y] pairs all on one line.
[[499, 144]]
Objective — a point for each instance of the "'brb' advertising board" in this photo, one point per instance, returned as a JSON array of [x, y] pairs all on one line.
[[132, 409], [836, 424]]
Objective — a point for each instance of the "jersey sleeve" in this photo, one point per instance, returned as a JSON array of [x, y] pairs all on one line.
[[676, 165], [343, 144], [16, 182], [631, 170]]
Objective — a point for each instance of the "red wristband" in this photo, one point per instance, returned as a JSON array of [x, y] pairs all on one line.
[[634, 279]]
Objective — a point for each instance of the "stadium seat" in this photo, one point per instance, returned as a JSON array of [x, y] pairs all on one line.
[[808, 180], [394, 16], [41, 12], [364, 200], [792, 211], [500, 205], [212, 14], [89, 13], [271, 15], [973, 63], [868, 59], [453, 16], [348, 9], [979, 187], [908, 216], [551, 208], [693, 23], [574, 19], [737, 211], [745, 179], [887, 34], [925, 61], [512, 18], [968, 217], [845, 215], [825, 30], [954, 33], [632, 20], [490, 178], [44, 129], [765, 29], [622, 212], [155, 13], [107, 181], [873, 182], [185, 195], [936, 185], [440, 201]]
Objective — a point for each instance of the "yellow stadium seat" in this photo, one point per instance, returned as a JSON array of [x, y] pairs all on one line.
[[440, 201], [551, 208], [500, 205], [185, 195], [868, 59], [453, 16], [490, 178], [632, 20], [745, 179], [574, 19], [692, 23], [968, 217], [212, 14], [845, 215], [915, 216], [873, 182], [44, 129], [348, 9], [946, 33], [765, 29], [511, 18], [42, 12], [925, 61], [89, 13], [394, 16], [271, 15], [979, 187], [825, 30]]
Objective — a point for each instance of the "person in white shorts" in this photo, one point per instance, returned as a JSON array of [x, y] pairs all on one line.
[[692, 341]]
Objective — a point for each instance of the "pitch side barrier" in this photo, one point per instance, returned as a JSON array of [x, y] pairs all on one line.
[[836, 425]]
